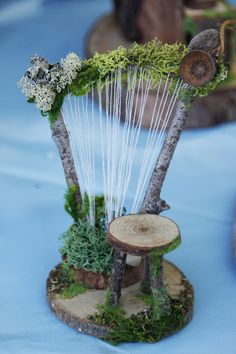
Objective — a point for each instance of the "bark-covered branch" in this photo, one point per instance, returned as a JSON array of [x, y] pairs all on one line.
[[61, 138], [118, 269]]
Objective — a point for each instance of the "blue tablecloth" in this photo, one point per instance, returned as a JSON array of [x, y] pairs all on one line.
[[201, 188]]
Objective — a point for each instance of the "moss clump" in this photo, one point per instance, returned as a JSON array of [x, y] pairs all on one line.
[[80, 211], [158, 61], [86, 247], [64, 283], [72, 290], [56, 108], [144, 327]]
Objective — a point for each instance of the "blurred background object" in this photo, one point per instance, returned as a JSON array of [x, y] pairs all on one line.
[[143, 20]]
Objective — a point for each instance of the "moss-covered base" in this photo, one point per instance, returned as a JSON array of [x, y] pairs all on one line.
[[133, 320]]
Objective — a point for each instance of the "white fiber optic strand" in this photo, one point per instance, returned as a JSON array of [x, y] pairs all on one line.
[[102, 140], [149, 143], [146, 164], [119, 162], [137, 118], [130, 93], [125, 143], [155, 150], [80, 149], [153, 129], [93, 154], [107, 151], [153, 153], [121, 159], [85, 145], [115, 138], [135, 136], [152, 132], [118, 141], [113, 155]]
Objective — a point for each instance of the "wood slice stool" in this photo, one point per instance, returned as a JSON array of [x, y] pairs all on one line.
[[143, 235]]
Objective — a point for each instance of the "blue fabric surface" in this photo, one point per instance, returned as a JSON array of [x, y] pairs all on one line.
[[201, 188]]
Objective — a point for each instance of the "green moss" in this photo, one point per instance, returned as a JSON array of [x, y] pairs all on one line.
[[157, 59], [85, 246], [161, 302], [75, 210], [56, 108], [107, 314], [144, 327], [221, 75], [70, 286], [80, 211], [64, 283], [72, 290], [173, 245]]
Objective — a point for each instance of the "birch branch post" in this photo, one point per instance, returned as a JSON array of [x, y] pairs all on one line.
[[61, 139], [153, 204], [208, 41], [40, 83]]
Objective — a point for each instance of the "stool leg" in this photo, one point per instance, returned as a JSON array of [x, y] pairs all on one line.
[[161, 301], [118, 269], [145, 286]]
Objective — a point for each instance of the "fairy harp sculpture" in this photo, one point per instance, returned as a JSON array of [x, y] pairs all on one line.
[[177, 72]]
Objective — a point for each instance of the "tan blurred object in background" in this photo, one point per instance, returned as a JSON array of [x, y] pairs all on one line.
[[171, 21]]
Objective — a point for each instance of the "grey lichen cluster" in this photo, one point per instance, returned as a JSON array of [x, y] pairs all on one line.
[[43, 81]]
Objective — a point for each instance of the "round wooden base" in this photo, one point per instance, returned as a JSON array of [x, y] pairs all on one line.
[[218, 107], [77, 311]]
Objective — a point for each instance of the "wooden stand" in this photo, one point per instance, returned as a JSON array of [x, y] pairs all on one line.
[[143, 235], [77, 311]]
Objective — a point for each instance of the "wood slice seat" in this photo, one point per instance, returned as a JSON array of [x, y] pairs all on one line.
[[143, 235], [139, 234]]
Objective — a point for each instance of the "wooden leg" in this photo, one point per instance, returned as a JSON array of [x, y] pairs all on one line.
[[118, 269], [145, 286], [161, 301]]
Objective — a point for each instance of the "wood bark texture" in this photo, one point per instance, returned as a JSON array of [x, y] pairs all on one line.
[[118, 269], [161, 301], [145, 285], [77, 311], [61, 138], [140, 234]]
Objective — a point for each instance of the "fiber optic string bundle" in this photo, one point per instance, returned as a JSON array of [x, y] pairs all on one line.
[[119, 143]]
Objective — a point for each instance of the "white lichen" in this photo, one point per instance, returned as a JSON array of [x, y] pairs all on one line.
[[43, 81], [44, 98], [71, 65]]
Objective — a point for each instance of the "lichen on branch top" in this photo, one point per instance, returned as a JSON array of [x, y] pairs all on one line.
[[43, 81]]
